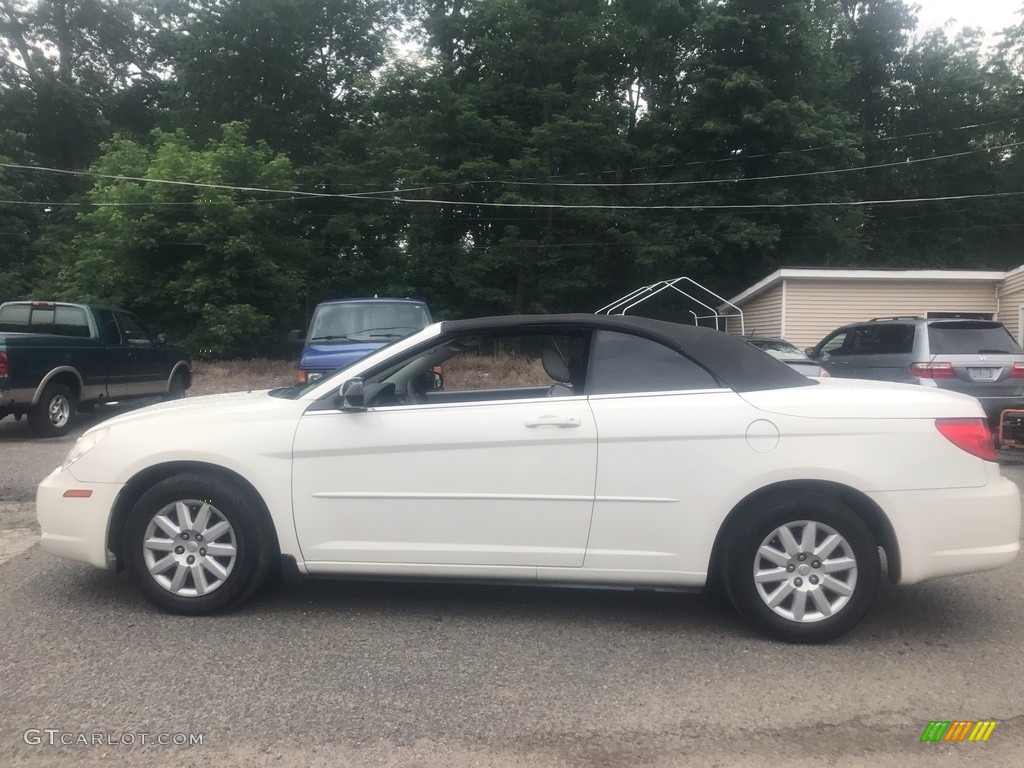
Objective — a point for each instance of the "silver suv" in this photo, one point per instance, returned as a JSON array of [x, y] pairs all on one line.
[[977, 357]]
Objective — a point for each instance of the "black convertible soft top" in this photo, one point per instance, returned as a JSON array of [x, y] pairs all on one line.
[[734, 362]]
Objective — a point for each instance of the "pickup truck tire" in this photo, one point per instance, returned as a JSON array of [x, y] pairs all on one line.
[[196, 544], [53, 414], [176, 389]]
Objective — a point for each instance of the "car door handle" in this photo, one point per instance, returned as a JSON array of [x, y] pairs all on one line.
[[563, 422]]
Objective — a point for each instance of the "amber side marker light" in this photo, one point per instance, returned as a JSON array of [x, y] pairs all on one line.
[[971, 435], [77, 493]]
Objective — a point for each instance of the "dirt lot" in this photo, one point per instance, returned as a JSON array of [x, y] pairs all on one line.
[[213, 377]]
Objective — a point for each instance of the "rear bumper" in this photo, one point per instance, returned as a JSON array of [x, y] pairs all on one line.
[[956, 530], [76, 528], [16, 399]]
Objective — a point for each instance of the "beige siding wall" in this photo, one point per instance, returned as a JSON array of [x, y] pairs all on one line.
[[815, 307], [1011, 299], [762, 315]]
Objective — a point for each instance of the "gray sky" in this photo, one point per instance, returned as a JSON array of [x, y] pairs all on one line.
[[991, 15]]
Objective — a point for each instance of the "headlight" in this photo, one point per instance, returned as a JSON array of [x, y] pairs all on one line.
[[85, 444], [311, 377]]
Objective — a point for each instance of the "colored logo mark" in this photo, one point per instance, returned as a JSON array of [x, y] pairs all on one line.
[[958, 730]]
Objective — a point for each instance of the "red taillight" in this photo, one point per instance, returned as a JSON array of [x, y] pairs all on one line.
[[933, 370], [1017, 371], [971, 435], [5, 368], [300, 377]]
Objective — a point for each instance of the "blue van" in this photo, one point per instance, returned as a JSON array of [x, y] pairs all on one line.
[[345, 330]]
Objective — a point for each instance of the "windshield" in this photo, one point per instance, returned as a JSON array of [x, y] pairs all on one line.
[[367, 321], [780, 350]]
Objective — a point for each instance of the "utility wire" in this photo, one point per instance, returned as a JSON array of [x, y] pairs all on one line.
[[897, 164], [396, 195]]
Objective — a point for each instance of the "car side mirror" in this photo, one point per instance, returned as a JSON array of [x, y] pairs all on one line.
[[161, 339], [352, 395], [812, 353], [296, 337]]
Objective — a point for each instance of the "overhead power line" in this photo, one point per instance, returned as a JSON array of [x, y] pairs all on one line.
[[398, 195], [614, 207]]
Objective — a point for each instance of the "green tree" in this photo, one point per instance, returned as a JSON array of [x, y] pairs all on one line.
[[220, 266], [754, 121]]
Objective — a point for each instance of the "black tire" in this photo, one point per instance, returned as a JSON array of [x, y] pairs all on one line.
[[176, 388], [835, 596], [204, 588], [53, 414]]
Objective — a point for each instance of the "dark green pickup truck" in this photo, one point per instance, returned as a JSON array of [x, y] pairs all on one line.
[[56, 358]]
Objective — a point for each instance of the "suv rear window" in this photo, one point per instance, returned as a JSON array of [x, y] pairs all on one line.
[[971, 338]]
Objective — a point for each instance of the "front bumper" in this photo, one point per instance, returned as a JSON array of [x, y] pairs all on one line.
[[76, 527], [954, 530]]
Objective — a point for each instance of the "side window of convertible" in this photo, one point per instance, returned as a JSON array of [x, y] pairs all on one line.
[[623, 363], [487, 367]]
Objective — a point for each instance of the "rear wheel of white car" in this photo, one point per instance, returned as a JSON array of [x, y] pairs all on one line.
[[196, 545], [52, 415], [803, 569]]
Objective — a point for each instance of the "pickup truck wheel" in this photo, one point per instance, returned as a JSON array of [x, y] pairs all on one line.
[[176, 389], [195, 545], [52, 415]]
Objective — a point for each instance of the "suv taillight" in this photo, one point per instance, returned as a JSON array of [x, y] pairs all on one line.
[[1017, 371], [5, 368], [971, 435], [933, 370]]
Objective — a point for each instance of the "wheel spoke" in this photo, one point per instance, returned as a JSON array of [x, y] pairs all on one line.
[[821, 602], [184, 515], [214, 568], [772, 554], [164, 524], [837, 586], [202, 519], [221, 550], [179, 577], [799, 605], [788, 541], [199, 579], [162, 564], [780, 594], [766, 576], [828, 546], [838, 564], [159, 544], [218, 530], [810, 533]]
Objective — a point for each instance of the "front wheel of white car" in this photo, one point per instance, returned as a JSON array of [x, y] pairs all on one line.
[[195, 545], [803, 569]]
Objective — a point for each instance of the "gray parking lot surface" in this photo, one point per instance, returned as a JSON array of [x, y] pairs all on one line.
[[356, 674]]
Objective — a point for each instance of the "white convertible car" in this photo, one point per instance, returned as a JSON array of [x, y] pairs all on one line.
[[559, 449]]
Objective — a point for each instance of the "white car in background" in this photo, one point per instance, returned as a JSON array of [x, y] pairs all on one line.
[[561, 449]]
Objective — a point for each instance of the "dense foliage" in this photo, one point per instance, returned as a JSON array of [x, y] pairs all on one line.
[[235, 161]]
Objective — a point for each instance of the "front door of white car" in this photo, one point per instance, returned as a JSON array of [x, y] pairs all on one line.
[[489, 483]]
